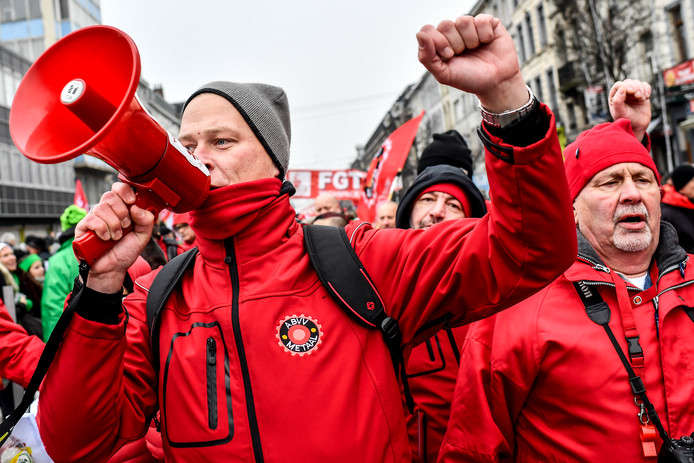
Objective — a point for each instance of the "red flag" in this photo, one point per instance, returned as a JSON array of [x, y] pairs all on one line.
[[80, 198], [167, 217], [385, 166]]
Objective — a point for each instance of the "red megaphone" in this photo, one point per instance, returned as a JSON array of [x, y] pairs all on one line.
[[79, 98]]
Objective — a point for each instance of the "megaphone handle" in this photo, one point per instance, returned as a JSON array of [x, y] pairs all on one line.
[[89, 247]]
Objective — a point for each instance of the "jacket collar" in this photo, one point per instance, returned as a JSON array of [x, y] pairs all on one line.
[[668, 255], [256, 215]]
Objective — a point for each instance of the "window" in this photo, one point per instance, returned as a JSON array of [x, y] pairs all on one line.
[[538, 88], [542, 25], [37, 47], [458, 108], [20, 10], [6, 8], [34, 9], [552, 89], [646, 42], [520, 44], [571, 112], [8, 87], [677, 25], [64, 10], [560, 46], [531, 38]]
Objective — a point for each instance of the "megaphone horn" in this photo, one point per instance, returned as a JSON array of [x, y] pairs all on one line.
[[79, 98]]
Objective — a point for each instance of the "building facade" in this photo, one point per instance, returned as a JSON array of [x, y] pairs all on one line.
[[29, 27], [656, 36], [32, 195]]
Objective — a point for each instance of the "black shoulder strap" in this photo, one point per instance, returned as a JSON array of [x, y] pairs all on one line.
[[343, 274], [162, 286], [599, 312], [346, 279]]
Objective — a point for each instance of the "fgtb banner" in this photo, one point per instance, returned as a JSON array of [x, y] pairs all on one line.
[[385, 166], [342, 184]]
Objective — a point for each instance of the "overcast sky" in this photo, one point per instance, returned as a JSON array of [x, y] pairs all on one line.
[[342, 63]]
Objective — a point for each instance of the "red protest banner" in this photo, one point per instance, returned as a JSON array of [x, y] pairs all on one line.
[[385, 166], [343, 184]]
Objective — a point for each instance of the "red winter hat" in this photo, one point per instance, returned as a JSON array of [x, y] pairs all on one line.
[[601, 147], [180, 218], [453, 190]]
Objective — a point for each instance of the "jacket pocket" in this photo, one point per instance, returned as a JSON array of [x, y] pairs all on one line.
[[426, 358], [212, 382], [196, 399]]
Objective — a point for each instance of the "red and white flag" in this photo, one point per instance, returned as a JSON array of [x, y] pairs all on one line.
[[80, 198], [388, 163]]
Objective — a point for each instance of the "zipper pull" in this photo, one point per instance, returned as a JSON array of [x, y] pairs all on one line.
[[211, 351], [602, 268]]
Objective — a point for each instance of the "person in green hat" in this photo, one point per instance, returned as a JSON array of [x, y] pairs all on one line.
[[63, 268], [33, 265]]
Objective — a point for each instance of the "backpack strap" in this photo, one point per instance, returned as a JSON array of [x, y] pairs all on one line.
[[164, 283], [346, 279]]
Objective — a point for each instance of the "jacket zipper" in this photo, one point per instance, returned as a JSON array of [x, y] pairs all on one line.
[[656, 298], [212, 383], [250, 404]]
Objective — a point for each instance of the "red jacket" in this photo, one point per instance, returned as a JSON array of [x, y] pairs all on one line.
[[19, 351], [432, 369], [542, 382], [257, 361]]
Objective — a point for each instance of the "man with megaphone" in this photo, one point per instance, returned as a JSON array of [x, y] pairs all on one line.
[[254, 361]]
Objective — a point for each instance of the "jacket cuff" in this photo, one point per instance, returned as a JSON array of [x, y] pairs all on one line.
[[501, 142], [99, 307]]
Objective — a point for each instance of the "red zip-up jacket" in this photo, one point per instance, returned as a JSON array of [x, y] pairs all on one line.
[[258, 363], [542, 382]]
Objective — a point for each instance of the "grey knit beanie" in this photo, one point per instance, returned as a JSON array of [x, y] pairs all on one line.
[[266, 110]]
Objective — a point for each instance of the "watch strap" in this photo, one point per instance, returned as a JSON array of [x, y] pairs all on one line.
[[509, 117]]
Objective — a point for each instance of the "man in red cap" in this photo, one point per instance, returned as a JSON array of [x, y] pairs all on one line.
[[180, 224], [442, 191], [543, 381]]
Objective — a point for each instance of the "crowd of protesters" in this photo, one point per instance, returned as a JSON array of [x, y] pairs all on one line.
[[505, 307]]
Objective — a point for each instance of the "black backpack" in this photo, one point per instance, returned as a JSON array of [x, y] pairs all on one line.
[[338, 268]]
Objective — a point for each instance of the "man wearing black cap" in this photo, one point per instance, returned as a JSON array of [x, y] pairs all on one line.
[[443, 190], [255, 360], [678, 205]]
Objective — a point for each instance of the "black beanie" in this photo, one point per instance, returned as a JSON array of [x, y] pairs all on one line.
[[682, 175], [448, 148]]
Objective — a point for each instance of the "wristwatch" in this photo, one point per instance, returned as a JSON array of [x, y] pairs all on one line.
[[508, 117]]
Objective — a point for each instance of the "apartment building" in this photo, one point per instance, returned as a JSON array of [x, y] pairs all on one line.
[[32, 195], [646, 39]]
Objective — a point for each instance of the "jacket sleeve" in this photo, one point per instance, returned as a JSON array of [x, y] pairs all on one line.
[[19, 351], [100, 390], [468, 269], [498, 365]]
